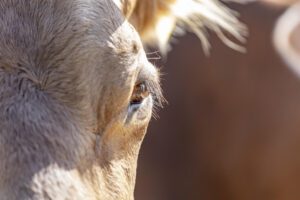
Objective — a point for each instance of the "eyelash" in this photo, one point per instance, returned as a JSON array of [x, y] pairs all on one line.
[[153, 89]]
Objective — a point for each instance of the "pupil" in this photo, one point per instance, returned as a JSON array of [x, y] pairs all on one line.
[[140, 92]]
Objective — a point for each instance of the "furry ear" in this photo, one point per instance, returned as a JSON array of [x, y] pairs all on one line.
[[286, 37], [127, 7], [156, 20]]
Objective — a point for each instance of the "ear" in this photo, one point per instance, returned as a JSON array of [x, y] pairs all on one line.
[[156, 20], [127, 6], [287, 37]]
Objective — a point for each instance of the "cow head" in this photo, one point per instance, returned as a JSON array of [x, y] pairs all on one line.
[[77, 91]]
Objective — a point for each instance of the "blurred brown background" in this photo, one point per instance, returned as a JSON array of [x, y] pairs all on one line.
[[231, 129]]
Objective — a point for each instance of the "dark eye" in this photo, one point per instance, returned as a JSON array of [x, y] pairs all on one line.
[[140, 92]]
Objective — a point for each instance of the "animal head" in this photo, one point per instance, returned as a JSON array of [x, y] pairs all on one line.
[[77, 91]]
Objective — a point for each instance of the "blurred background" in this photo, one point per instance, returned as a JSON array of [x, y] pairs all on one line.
[[231, 129]]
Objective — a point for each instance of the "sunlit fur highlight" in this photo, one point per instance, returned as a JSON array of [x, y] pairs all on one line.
[[156, 20]]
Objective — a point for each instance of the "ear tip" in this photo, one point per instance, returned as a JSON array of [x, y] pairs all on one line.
[[282, 37]]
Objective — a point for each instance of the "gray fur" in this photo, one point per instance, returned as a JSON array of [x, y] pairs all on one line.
[[67, 71]]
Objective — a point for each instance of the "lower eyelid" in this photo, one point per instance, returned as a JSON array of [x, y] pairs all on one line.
[[139, 111], [133, 107]]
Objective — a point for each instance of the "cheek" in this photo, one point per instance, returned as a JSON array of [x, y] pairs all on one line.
[[115, 94], [113, 104], [140, 133]]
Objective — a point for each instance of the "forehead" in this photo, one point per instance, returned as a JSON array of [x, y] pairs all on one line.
[[110, 29], [59, 26], [102, 18]]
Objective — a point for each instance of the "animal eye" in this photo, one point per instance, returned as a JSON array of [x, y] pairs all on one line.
[[140, 92]]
